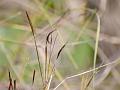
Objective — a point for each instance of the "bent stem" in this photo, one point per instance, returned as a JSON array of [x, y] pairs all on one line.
[[96, 47]]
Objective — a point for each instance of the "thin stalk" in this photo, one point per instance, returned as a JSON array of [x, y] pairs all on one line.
[[51, 52], [96, 47], [33, 78], [38, 58], [10, 82], [53, 68], [45, 62], [14, 84]]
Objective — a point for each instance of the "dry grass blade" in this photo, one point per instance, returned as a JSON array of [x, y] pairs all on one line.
[[83, 82], [49, 82], [53, 68], [33, 79], [45, 61], [48, 40], [10, 82], [61, 50], [9, 76], [51, 55], [30, 23], [86, 80], [89, 81], [96, 46], [15, 85]]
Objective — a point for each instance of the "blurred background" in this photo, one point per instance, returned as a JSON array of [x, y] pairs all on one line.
[[75, 22]]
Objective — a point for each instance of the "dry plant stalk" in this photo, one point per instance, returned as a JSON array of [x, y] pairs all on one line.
[[12, 84], [86, 80], [10, 87], [47, 76], [38, 58], [15, 85], [33, 79]]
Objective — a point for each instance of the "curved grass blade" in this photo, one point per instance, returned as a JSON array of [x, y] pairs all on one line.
[[48, 40], [60, 50], [47, 62]]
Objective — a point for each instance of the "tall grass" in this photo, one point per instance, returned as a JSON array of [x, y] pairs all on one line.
[[57, 47]]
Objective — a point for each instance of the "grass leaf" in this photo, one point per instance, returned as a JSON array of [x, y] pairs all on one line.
[[30, 23]]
